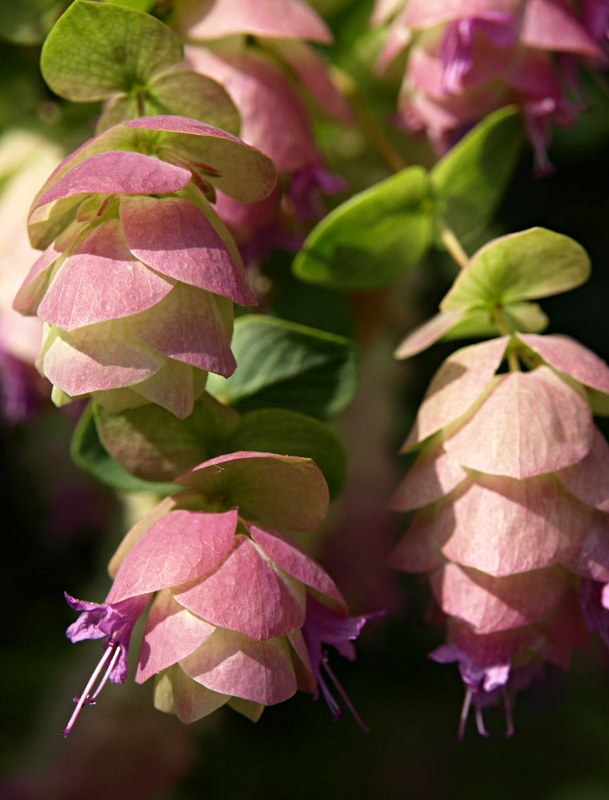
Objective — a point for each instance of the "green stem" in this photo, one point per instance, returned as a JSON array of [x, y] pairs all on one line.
[[454, 247], [376, 135]]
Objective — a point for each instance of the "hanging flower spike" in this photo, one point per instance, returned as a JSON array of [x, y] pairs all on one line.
[[139, 276], [325, 627], [115, 623], [468, 60], [231, 593]]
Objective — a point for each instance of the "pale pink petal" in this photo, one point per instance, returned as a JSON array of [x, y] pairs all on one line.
[[592, 559], [192, 326], [496, 604], [34, 286], [298, 564], [231, 663], [284, 19], [239, 170], [425, 13], [263, 95], [434, 474], [420, 549], [460, 381], [175, 387], [175, 238], [312, 71], [141, 527], [307, 681], [284, 492], [246, 594], [549, 25], [531, 423], [428, 333], [96, 358], [568, 356], [177, 693], [588, 480], [383, 10], [179, 547], [494, 648], [171, 634], [502, 526], [116, 172], [99, 281], [399, 36]]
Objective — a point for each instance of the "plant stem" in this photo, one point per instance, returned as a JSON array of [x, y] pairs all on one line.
[[376, 135], [454, 247]]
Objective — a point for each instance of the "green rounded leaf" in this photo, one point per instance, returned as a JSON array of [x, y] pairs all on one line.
[[285, 365], [273, 430], [180, 92], [89, 454], [522, 266], [470, 180], [152, 444], [372, 239], [97, 50]]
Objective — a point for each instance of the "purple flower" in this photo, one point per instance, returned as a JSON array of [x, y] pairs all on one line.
[[115, 622], [325, 627]]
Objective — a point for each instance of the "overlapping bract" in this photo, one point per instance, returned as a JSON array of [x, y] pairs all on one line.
[[270, 79], [511, 496], [231, 596], [467, 59], [138, 275]]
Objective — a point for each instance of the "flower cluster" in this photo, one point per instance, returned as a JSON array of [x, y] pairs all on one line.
[[239, 614], [138, 276], [511, 501], [265, 77], [467, 59]]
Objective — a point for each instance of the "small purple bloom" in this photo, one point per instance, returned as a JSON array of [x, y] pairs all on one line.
[[325, 627], [115, 622]]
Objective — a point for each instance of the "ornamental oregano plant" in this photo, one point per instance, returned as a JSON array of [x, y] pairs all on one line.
[[228, 209]]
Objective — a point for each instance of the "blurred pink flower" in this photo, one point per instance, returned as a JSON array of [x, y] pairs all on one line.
[[231, 594], [511, 498], [467, 59], [138, 277], [273, 78]]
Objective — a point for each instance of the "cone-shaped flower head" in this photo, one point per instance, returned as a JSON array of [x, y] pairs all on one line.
[[467, 59], [511, 494], [232, 596], [138, 275], [272, 77]]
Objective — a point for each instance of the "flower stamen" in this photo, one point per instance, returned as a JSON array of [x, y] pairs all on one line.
[[111, 653]]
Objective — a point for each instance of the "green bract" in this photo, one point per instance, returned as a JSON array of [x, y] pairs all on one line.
[[373, 238], [521, 266], [129, 58], [469, 182], [289, 366]]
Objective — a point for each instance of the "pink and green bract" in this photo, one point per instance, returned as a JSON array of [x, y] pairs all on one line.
[[231, 596], [138, 276], [511, 501]]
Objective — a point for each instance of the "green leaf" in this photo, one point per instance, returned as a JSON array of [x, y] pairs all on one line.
[[273, 430], [97, 50], [151, 443], [88, 453], [470, 180], [181, 92], [521, 266], [372, 239], [140, 5], [285, 365], [525, 317]]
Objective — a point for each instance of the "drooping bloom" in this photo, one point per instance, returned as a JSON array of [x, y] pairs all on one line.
[[511, 500], [271, 79], [468, 59], [238, 612], [138, 276]]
